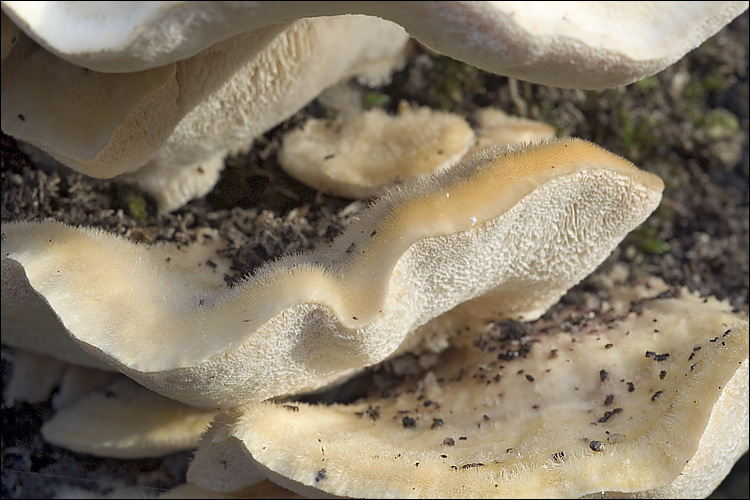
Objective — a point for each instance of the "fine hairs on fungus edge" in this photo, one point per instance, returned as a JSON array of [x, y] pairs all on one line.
[[507, 232]]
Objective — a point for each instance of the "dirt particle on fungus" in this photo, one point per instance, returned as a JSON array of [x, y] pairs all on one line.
[[631, 386], [529, 378], [408, 422], [436, 422], [448, 442], [21, 117], [321, 475], [609, 414], [597, 446], [608, 400], [609, 346], [603, 375], [656, 395], [662, 374], [373, 413]]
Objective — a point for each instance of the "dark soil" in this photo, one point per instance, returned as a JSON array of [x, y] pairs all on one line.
[[688, 124]]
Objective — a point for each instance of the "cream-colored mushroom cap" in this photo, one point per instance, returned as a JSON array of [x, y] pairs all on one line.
[[125, 420], [175, 123], [359, 158], [655, 404], [506, 232], [567, 44]]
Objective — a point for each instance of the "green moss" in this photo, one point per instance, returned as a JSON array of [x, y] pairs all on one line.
[[647, 243], [136, 207], [451, 80], [638, 133], [648, 84], [374, 100], [716, 125]]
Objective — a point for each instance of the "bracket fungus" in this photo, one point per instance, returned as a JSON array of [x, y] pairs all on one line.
[[566, 44], [360, 156], [618, 408], [165, 84], [508, 231], [174, 124], [600, 402]]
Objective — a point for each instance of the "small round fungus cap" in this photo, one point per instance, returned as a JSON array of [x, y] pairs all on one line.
[[359, 158], [125, 420]]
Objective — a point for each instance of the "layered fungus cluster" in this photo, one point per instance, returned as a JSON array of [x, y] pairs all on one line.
[[428, 343]]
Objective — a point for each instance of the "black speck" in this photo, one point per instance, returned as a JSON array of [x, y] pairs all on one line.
[[320, 476], [608, 400], [603, 375], [408, 422], [609, 346], [328, 157], [21, 117], [656, 395], [449, 441], [596, 446], [631, 386], [609, 414], [354, 318], [650, 354], [529, 378], [661, 357], [443, 455], [291, 407], [692, 355], [462, 438], [475, 464], [351, 248], [436, 422], [662, 374], [559, 456]]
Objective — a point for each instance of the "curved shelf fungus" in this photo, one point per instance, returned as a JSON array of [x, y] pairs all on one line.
[[552, 43], [650, 404], [161, 92], [507, 231], [169, 128]]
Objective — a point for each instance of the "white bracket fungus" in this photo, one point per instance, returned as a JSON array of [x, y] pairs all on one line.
[[653, 404], [508, 231], [124, 420], [174, 124], [169, 88], [360, 156], [566, 44]]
